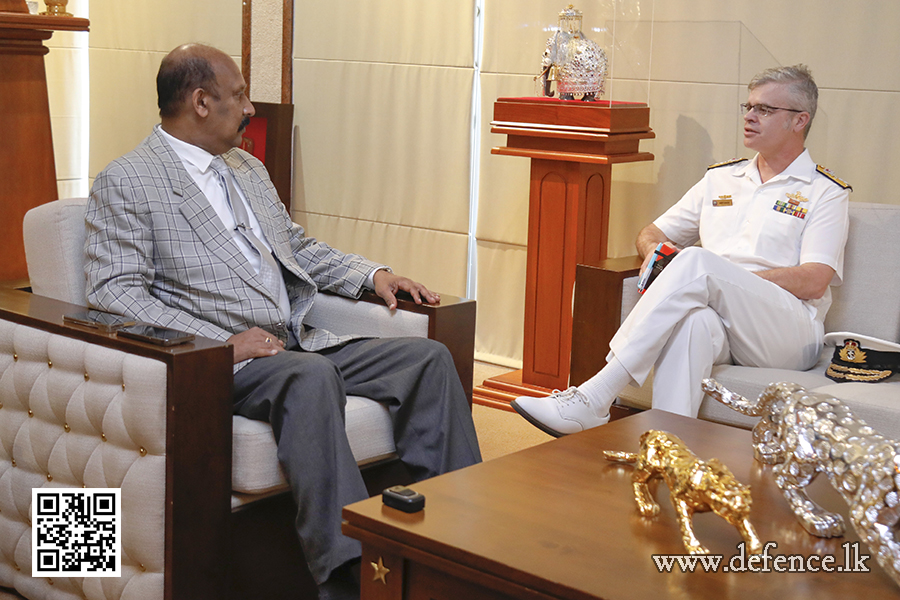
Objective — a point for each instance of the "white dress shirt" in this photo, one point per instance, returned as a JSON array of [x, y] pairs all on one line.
[[799, 216], [196, 162]]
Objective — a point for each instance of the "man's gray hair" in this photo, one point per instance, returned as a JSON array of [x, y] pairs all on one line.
[[802, 86]]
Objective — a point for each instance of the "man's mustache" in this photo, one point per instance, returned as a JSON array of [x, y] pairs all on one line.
[[244, 122]]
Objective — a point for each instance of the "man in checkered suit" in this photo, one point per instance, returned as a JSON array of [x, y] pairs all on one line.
[[168, 245]]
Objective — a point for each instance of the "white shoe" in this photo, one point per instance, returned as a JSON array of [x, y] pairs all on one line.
[[560, 413]]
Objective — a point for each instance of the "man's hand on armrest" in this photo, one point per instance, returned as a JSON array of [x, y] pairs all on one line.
[[254, 343], [387, 285]]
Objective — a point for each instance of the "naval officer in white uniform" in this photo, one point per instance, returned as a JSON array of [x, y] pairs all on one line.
[[754, 292]]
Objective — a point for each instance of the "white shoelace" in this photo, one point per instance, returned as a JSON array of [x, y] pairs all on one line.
[[569, 396]]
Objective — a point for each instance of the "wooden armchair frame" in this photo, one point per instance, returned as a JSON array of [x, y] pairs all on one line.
[[596, 316]]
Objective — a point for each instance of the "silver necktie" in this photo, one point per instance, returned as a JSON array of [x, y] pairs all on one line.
[[269, 270]]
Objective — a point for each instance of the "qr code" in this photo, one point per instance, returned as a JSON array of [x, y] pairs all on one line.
[[76, 532]]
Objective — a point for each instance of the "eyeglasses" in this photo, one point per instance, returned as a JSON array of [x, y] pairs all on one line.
[[764, 110]]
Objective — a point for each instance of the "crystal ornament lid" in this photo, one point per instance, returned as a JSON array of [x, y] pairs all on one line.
[[570, 19]]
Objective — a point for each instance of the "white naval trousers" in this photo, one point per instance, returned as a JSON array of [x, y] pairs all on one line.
[[704, 310]]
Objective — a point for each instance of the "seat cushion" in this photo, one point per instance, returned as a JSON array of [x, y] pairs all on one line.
[[746, 381], [255, 468], [875, 403]]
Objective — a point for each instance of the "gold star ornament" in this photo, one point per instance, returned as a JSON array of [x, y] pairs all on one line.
[[380, 571]]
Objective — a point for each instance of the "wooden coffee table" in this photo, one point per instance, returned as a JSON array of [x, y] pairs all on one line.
[[559, 521]]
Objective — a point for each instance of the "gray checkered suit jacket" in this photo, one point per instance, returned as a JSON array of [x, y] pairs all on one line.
[[156, 251]]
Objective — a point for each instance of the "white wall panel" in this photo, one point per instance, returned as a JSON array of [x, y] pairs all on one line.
[[161, 25], [633, 34], [855, 135], [503, 180], [123, 102], [66, 66], [128, 41], [700, 52], [634, 201], [839, 40], [421, 32], [392, 146], [500, 325], [430, 257], [67, 151], [64, 74], [71, 188], [67, 73], [844, 42]]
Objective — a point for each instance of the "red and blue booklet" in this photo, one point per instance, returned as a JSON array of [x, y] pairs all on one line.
[[662, 256]]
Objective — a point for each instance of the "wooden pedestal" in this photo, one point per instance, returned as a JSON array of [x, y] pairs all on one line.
[[572, 146], [26, 151]]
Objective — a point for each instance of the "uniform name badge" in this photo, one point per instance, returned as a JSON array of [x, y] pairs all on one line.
[[723, 200]]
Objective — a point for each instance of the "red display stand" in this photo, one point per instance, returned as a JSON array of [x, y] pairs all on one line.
[[26, 154], [572, 146]]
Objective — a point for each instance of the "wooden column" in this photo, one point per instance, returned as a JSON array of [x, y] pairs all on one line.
[[27, 149], [572, 146], [569, 208]]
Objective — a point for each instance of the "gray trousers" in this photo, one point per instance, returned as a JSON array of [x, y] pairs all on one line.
[[303, 395]]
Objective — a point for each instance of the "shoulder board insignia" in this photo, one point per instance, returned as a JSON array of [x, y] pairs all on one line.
[[733, 161], [833, 177]]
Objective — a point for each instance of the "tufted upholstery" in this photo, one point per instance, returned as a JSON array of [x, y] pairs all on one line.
[[81, 408], [75, 415]]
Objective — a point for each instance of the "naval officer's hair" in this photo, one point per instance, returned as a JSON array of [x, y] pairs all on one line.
[[803, 89]]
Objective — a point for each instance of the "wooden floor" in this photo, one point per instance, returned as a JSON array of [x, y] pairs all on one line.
[[501, 432]]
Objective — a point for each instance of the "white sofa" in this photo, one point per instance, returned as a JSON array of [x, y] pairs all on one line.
[[866, 303], [204, 499]]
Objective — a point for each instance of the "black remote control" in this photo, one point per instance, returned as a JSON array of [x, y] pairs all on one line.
[[403, 498]]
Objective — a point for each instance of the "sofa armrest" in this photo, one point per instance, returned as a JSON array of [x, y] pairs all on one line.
[[452, 322], [195, 443], [597, 312]]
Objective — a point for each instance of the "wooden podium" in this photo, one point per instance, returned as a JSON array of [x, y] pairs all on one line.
[[26, 153], [572, 146]]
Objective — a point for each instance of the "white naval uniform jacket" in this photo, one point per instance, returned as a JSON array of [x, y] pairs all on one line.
[[798, 216], [156, 251]]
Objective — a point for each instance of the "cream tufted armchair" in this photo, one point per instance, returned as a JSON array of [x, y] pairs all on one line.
[[206, 512]]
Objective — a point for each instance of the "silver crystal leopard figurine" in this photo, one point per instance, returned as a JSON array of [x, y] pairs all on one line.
[[804, 433]]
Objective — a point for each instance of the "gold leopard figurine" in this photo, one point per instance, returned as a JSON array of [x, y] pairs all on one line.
[[805, 433], [694, 485]]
